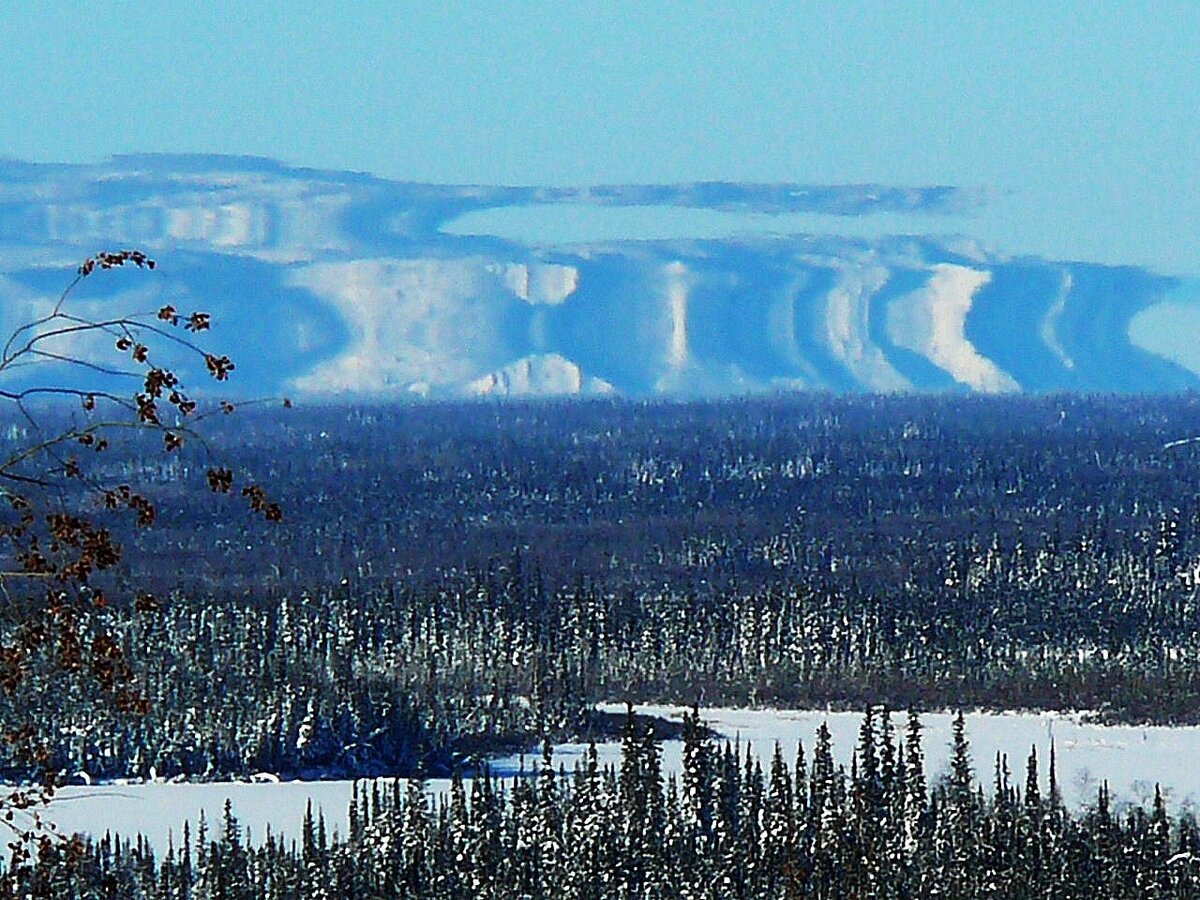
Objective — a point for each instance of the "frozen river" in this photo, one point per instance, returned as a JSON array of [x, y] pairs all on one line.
[[1131, 758]]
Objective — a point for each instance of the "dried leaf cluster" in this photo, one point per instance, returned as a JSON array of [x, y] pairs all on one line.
[[56, 539]]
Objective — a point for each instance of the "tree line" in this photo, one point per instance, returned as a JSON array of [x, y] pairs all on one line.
[[785, 552], [725, 827]]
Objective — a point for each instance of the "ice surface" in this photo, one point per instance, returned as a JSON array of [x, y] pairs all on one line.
[[1131, 758]]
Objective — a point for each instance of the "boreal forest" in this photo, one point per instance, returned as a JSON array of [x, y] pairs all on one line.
[[453, 581]]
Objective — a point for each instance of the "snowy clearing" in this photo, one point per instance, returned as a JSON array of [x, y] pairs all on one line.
[[1131, 758]]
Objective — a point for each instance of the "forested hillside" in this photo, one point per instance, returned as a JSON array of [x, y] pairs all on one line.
[[453, 580]]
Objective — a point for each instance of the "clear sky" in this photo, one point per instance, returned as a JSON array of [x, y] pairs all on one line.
[[1082, 118]]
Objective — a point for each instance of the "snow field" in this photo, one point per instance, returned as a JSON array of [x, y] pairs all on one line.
[[1131, 758]]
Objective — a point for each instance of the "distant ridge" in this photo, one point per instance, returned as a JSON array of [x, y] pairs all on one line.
[[344, 284]]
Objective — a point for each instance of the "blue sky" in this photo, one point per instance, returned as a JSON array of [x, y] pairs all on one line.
[[1082, 119]]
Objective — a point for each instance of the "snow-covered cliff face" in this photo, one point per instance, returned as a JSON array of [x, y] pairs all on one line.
[[334, 284]]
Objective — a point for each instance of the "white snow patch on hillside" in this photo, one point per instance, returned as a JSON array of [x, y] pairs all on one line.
[[1048, 327], [428, 322], [847, 311], [677, 302], [222, 225], [537, 375], [932, 322], [281, 221], [540, 283]]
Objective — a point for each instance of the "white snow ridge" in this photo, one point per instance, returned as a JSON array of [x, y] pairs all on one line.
[[542, 374], [933, 322]]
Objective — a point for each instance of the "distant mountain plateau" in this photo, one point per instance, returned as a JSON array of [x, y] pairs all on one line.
[[342, 285]]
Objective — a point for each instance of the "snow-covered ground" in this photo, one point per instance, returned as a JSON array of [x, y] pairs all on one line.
[[1131, 758]]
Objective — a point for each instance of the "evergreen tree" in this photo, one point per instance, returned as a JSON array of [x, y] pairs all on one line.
[[915, 798]]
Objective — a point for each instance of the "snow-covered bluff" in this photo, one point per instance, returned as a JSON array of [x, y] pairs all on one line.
[[339, 284]]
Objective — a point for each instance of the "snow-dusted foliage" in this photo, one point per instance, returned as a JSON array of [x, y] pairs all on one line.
[[734, 831]]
